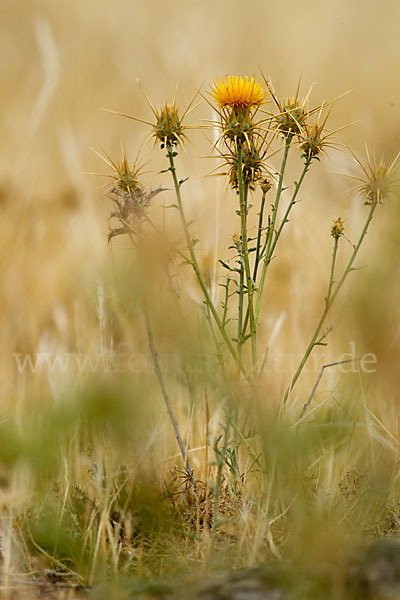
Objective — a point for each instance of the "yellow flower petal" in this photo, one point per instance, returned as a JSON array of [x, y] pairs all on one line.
[[238, 92]]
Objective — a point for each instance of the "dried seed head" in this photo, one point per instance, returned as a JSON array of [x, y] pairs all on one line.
[[130, 209], [130, 196], [377, 181], [337, 228], [378, 185]]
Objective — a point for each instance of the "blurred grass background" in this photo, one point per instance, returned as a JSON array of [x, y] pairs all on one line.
[[61, 286]]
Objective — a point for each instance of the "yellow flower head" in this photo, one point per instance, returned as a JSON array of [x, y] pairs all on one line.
[[238, 92]]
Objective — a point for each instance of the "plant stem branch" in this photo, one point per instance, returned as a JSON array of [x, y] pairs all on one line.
[[332, 293], [333, 364], [259, 234], [289, 208], [240, 331], [333, 264], [271, 231]]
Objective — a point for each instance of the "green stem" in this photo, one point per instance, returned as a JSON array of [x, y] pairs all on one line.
[[271, 230], [171, 153], [220, 358], [289, 208], [225, 303], [243, 188], [259, 234], [240, 307], [332, 293], [333, 264]]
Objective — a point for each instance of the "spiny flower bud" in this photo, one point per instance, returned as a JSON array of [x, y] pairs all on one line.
[[238, 99], [235, 239], [337, 228], [292, 119], [238, 125], [126, 180], [265, 185], [313, 142], [252, 166], [168, 128]]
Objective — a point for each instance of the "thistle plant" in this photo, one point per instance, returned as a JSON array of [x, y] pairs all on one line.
[[238, 101], [250, 136]]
